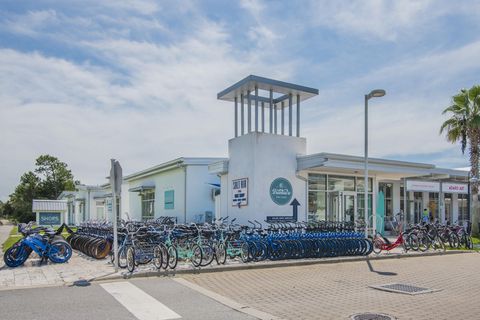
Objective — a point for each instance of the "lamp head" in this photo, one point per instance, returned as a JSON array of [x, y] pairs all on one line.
[[377, 93]]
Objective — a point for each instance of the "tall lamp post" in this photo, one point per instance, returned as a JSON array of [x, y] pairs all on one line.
[[377, 93]]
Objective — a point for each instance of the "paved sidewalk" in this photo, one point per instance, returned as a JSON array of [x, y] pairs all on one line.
[[336, 291], [36, 274]]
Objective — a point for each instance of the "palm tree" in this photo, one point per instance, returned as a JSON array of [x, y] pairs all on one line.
[[464, 126]]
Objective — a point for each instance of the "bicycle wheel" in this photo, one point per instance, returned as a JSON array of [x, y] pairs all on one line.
[[208, 255], [468, 242], [157, 257], [16, 255], [378, 245], [220, 253], [454, 241], [59, 252], [172, 257], [244, 252], [197, 256], [412, 241], [438, 244], [423, 242], [130, 259], [164, 250]]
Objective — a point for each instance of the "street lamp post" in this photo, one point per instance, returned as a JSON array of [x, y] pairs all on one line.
[[377, 93]]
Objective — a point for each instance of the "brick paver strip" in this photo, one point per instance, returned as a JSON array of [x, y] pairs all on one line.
[[336, 291]]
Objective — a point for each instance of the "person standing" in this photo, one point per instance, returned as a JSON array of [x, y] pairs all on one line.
[[425, 216]]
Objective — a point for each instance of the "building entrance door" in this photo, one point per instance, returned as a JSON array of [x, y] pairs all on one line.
[[342, 206]]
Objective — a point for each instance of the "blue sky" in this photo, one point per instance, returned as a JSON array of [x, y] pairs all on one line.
[[88, 80]]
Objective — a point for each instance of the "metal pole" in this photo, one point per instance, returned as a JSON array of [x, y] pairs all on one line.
[[256, 109], [283, 118], [271, 110], [114, 212], [290, 114], [298, 115], [249, 111], [236, 117], [275, 117], [242, 116], [404, 203], [468, 202], [365, 187], [263, 116]]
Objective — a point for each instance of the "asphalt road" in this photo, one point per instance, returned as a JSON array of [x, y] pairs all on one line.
[[137, 299]]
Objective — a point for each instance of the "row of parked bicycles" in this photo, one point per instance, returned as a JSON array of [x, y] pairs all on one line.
[[163, 242], [425, 236]]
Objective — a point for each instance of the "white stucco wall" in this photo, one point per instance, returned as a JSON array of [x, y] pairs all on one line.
[[199, 192], [167, 180], [263, 157]]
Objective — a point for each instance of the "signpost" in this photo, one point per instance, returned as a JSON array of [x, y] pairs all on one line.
[[116, 185]]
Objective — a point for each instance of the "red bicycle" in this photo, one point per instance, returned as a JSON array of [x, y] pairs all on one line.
[[406, 239]]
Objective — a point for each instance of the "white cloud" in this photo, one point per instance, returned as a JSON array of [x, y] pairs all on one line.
[[164, 107], [405, 121], [384, 19]]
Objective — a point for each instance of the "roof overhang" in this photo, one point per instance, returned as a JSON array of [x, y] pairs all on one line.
[[390, 169], [141, 189], [281, 88]]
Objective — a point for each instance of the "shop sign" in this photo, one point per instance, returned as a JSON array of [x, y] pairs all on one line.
[[425, 186], [49, 218], [240, 192], [281, 191], [454, 187]]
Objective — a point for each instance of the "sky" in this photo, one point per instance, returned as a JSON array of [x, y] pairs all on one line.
[[87, 81]]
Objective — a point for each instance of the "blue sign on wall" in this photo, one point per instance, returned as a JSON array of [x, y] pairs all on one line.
[[49, 218], [281, 191]]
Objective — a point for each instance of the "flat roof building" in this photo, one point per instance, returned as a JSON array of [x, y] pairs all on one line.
[[268, 176]]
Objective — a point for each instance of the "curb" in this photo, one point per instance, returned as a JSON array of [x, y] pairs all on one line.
[[279, 264]]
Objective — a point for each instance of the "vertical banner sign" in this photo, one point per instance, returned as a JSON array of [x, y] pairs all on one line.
[[240, 192]]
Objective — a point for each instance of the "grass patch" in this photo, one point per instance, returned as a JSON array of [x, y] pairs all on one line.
[[15, 236]]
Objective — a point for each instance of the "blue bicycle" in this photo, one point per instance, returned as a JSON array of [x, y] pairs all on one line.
[[47, 245]]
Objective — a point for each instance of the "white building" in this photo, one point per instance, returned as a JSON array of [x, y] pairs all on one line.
[[268, 168], [182, 188]]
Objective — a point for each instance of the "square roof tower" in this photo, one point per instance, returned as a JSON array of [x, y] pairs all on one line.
[[276, 95]]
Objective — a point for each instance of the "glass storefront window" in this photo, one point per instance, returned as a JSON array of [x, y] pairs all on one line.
[[361, 206], [340, 183], [433, 205], [360, 184], [462, 208], [447, 202], [317, 205], [317, 181]]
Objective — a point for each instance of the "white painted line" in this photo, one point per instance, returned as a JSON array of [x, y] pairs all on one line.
[[227, 301], [139, 303]]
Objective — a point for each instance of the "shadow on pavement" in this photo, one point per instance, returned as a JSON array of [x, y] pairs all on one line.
[[382, 273]]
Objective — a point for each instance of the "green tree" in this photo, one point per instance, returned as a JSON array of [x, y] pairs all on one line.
[[49, 179], [55, 176], [463, 125]]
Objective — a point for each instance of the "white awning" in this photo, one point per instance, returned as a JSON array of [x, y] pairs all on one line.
[[49, 205]]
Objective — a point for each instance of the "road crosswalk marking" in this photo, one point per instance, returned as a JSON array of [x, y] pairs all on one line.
[[139, 303]]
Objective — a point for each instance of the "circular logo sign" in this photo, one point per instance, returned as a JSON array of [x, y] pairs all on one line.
[[281, 191]]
